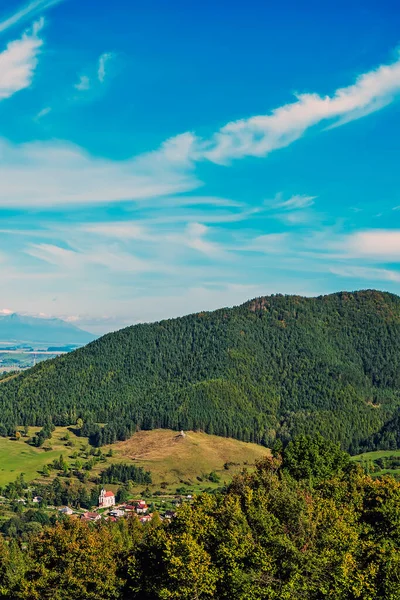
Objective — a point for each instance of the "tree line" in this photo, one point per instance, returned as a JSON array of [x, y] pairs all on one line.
[[307, 524]]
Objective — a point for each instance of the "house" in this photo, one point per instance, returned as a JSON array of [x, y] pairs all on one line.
[[117, 512], [37, 499], [170, 514], [141, 507], [129, 508], [90, 516], [106, 499], [66, 510], [145, 518]]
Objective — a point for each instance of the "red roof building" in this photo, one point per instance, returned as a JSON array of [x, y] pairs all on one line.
[[106, 499]]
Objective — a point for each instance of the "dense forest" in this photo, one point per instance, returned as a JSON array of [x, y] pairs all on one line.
[[272, 368], [307, 524]]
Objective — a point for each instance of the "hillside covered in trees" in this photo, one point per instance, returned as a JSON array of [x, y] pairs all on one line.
[[272, 368], [305, 525]]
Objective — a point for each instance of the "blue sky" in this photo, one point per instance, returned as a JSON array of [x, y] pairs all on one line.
[[162, 158]]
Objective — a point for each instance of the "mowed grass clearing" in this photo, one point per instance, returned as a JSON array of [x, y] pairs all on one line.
[[174, 459]]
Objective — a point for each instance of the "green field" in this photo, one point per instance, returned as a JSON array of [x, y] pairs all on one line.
[[171, 459], [380, 462], [366, 456], [18, 457]]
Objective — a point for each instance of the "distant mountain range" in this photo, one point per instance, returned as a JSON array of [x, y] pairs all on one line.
[[17, 328]]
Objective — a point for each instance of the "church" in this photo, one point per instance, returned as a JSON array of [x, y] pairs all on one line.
[[106, 499]]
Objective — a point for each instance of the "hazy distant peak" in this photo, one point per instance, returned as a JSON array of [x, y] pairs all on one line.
[[25, 328]]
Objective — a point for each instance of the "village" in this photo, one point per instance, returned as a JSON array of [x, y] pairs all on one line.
[[109, 510]]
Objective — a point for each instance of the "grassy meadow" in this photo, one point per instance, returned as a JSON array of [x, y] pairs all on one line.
[[16, 456], [172, 460], [380, 462]]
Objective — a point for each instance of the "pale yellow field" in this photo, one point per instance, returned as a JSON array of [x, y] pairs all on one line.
[[172, 458]]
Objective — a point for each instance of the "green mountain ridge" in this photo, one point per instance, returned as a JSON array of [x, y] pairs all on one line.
[[273, 367]]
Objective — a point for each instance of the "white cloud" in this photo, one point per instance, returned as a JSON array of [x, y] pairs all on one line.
[[192, 236], [260, 135], [83, 84], [295, 202], [370, 273], [80, 260], [29, 10], [103, 60], [125, 230], [59, 174], [270, 243], [42, 113], [19, 60], [377, 244]]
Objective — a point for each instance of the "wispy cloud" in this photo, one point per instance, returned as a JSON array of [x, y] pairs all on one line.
[[294, 203], [27, 11], [369, 273], [270, 243], [103, 60], [83, 84], [42, 113], [262, 134], [98, 256], [19, 60], [193, 235], [95, 76], [59, 174]]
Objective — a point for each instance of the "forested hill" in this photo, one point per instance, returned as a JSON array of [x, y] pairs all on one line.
[[275, 366]]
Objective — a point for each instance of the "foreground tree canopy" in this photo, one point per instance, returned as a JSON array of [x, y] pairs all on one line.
[[271, 369], [273, 535]]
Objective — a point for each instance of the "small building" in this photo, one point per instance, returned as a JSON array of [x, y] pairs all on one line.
[[66, 510], [145, 518], [90, 516], [141, 507], [170, 514], [117, 512], [37, 499], [106, 499]]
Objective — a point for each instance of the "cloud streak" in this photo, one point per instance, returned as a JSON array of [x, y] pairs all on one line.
[[27, 11], [53, 174], [262, 134], [103, 60], [19, 60]]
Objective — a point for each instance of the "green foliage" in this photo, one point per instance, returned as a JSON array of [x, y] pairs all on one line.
[[314, 458], [269, 536], [214, 477], [122, 473], [274, 368]]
